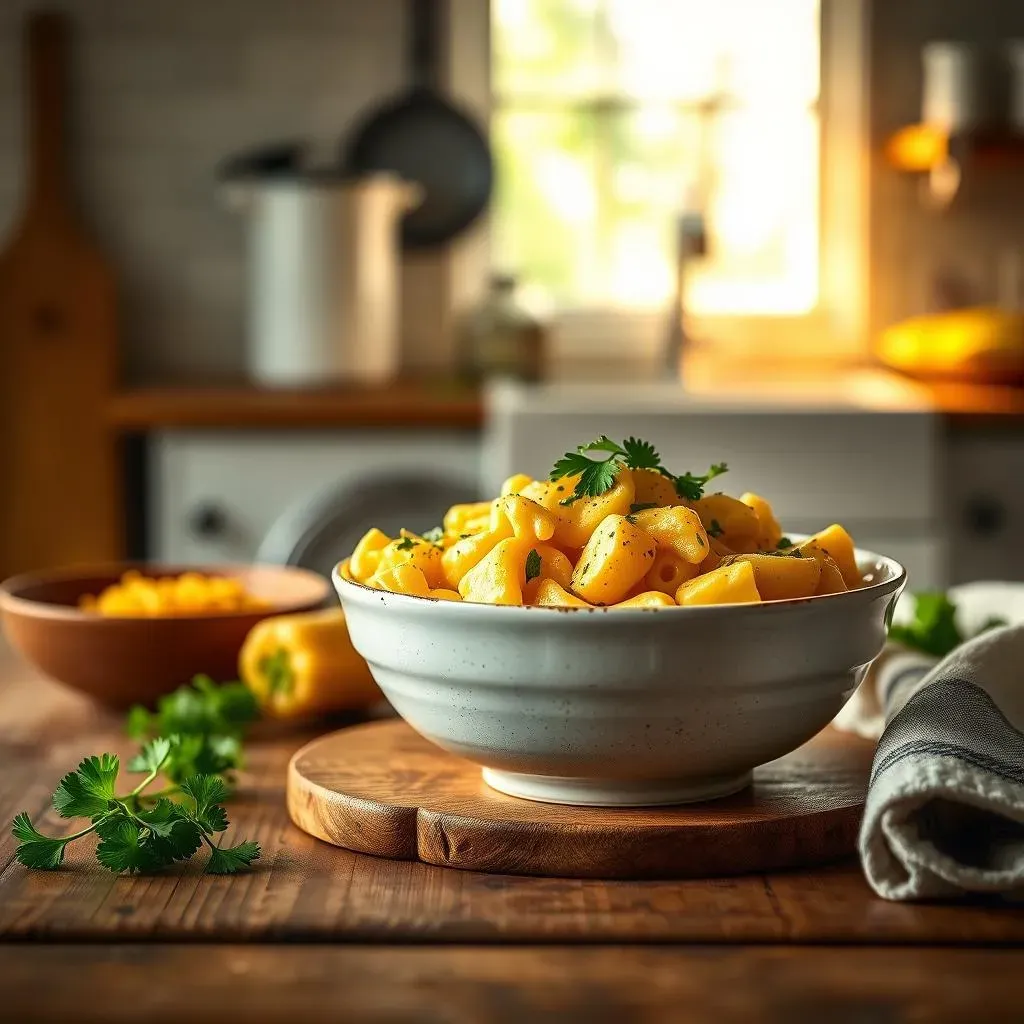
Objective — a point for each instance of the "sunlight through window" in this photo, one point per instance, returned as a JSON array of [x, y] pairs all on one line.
[[608, 114]]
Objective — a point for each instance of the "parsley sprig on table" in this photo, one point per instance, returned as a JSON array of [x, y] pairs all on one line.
[[597, 475], [209, 721], [194, 740], [933, 629], [137, 832]]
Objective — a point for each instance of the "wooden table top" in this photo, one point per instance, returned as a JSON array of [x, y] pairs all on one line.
[[314, 927]]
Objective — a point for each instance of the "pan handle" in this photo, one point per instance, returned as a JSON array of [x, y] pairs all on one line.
[[424, 43]]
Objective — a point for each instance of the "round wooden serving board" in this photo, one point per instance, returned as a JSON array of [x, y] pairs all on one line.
[[384, 790]]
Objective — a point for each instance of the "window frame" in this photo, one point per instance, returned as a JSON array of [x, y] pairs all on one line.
[[835, 328]]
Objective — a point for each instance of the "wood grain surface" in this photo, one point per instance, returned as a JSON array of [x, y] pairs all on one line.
[[58, 350], [123, 984], [384, 790], [304, 890]]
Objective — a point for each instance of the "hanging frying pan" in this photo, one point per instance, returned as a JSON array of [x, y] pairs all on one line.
[[423, 138]]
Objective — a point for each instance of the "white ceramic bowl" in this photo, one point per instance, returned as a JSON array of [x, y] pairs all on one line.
[[622, 708]]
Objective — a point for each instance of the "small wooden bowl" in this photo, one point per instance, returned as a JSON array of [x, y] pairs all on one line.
[[123, 661]]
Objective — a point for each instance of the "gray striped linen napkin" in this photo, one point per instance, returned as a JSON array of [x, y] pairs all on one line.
[[944, 814]]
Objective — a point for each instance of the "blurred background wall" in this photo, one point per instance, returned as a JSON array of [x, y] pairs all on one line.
[[162, 90]]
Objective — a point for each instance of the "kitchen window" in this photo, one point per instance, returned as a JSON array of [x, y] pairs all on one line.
[[610, 118]]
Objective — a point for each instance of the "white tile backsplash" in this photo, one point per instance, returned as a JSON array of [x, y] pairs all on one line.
[[161, 91]]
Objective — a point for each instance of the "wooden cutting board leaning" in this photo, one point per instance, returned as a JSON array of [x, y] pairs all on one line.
[[58, 341]]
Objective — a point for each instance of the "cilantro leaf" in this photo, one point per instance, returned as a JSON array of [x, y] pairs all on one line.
[[122, 846], [89, 790], [533, 565], [200, 708], [603, 444], [153, 755], [139, 723], [641, 454], [784, 542], [175, 836], [203, 755], [595, 475], [34, 849], [205, 790], [934, 629], [208, 720], [227, 860], [162, 818], [405, 544], [691, 487], [596, 479], [208, 791]]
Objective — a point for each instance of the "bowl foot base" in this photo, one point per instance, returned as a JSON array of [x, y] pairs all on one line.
[[579, 792]]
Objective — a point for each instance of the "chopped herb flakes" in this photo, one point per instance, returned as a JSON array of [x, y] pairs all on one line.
[[533, 565]]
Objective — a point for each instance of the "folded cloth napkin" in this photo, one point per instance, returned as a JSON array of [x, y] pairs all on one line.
[[945, 806]]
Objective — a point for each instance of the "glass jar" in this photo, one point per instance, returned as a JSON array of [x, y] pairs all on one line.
[[501, 339]]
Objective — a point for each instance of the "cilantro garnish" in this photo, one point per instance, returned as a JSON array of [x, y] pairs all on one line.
[[933, 629], [692, 487], [405, 544], [596, 476], [784, 542], [533, 565], [137, 832], [209, 721], [192, 739]]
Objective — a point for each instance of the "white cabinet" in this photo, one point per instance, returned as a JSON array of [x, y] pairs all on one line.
[[983, 502], [230, 496], [875, 471]]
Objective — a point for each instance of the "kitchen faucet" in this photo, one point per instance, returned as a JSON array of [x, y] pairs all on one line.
[[691, 242]]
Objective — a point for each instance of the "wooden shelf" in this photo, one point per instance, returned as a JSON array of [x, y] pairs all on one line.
[[446, 403], [409, 403]]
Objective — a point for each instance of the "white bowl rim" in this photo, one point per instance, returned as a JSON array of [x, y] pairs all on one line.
[[895, 578]]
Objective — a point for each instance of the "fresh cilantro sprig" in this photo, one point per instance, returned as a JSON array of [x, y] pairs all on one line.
[[934, 629], [209, 721], [597, 475], [691, 487], [137, 832]]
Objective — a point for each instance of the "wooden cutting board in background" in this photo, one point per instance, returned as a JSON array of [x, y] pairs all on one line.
[[58, 347]]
